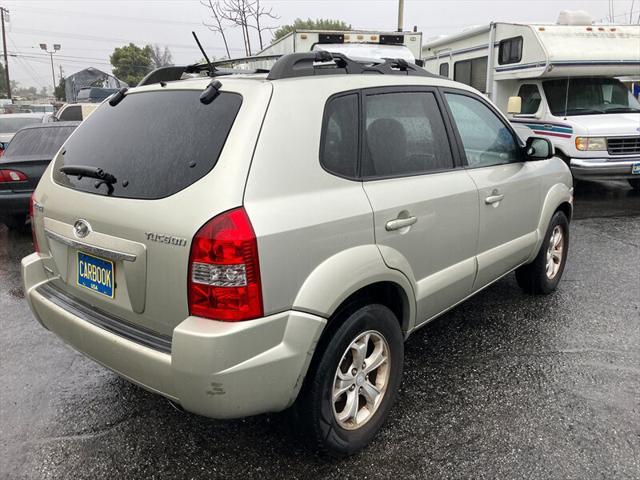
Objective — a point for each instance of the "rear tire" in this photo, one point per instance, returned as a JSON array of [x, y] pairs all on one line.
[[635, 184], [338, 407], [543, 274]]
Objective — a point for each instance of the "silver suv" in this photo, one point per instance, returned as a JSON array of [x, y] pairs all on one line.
[[250, 242]]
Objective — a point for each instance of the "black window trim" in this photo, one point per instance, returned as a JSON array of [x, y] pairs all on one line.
[[458, 137], [501, 46]]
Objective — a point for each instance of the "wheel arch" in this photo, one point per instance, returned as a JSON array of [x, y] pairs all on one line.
[[559, 197], [352, 277]]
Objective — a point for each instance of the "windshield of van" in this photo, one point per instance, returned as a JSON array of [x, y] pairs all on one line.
[[11, 124], [589, 96], [154, 143]]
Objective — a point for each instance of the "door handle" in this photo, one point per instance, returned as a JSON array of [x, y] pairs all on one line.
[[495, 198], [399, 223]]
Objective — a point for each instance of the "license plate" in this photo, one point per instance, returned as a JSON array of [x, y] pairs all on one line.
[[96, 274], [635, 169]]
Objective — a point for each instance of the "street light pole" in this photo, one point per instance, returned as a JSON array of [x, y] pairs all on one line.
[[56, 47], [400, 15], [4, 45]]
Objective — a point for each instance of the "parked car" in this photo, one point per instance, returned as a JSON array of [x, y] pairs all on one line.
[[10, 123], [250, 242], [94, 94], [24, 162], [75, 112]]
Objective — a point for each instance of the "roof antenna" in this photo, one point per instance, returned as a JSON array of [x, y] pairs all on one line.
[[212, 70]]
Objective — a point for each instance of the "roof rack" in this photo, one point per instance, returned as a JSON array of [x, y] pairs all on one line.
[[329, 63], [175, 72], [291, 66]]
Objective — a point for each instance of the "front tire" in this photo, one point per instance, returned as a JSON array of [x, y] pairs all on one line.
[[353, 383], [543, 274]]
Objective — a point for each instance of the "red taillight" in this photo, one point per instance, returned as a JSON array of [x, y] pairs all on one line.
[[32, 219], [12, 176], [224, 272]]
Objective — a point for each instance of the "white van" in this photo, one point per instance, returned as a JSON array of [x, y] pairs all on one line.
[[565, 77]]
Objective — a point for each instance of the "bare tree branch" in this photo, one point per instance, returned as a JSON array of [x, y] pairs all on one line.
[[217, 27]]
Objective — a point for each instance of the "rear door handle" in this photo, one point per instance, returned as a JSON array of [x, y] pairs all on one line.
[[493, 198], [399, 223]]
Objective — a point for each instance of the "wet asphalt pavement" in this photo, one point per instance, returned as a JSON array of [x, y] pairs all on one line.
[[504, 386]]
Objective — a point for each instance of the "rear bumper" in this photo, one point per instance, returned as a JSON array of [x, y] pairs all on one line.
[[603, 168], [215, 369], [12, 203]]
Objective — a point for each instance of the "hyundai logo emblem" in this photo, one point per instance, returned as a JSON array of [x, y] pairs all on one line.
[[81, 228]]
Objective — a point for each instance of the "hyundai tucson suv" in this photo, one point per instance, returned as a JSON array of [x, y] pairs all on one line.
[[245, 243]]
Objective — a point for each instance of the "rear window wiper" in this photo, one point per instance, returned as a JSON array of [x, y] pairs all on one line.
[[91, 172]]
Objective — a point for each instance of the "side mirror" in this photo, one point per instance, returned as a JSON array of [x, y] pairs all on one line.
[[514, 106], [538, 148]]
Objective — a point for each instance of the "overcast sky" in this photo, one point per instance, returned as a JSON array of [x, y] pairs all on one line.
[[89, 30]]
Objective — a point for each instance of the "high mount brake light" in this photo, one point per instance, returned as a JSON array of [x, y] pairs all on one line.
[[224, 271]]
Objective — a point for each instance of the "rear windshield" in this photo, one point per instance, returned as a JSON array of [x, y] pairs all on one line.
[[9, 124], [154, 143], [37, 143]]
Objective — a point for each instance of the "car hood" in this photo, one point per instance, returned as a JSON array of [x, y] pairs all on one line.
[[607, 124]]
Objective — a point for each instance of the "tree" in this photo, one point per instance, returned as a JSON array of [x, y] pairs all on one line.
[[60, 92], [160, 57], [319, 24], [131, 63], [246, 14]]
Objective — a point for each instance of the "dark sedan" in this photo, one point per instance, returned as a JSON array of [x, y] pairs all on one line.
[[23, 163]]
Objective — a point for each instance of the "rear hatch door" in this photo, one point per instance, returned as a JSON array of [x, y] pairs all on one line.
[[123, 247]]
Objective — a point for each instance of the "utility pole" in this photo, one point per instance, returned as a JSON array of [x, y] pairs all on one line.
[[400, 15], [56, 47], [4, 46]]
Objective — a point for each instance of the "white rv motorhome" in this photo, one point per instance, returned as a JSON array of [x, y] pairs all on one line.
[[355, 44], [565, 77]]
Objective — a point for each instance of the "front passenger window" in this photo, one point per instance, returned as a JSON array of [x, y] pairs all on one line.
[[486, 139]]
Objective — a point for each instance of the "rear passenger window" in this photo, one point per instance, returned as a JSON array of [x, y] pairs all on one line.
[[339, 148], [405, 135]]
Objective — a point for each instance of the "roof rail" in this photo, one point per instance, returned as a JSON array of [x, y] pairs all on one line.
[[328, 63], [175, 72]]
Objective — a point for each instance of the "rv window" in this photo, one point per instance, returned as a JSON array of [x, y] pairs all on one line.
[[339, 150], [510, 51], [530, 96], [472, 72], [444, 69]]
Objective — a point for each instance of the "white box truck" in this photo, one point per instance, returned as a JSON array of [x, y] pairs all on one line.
[[354, 44], [557, 80]]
